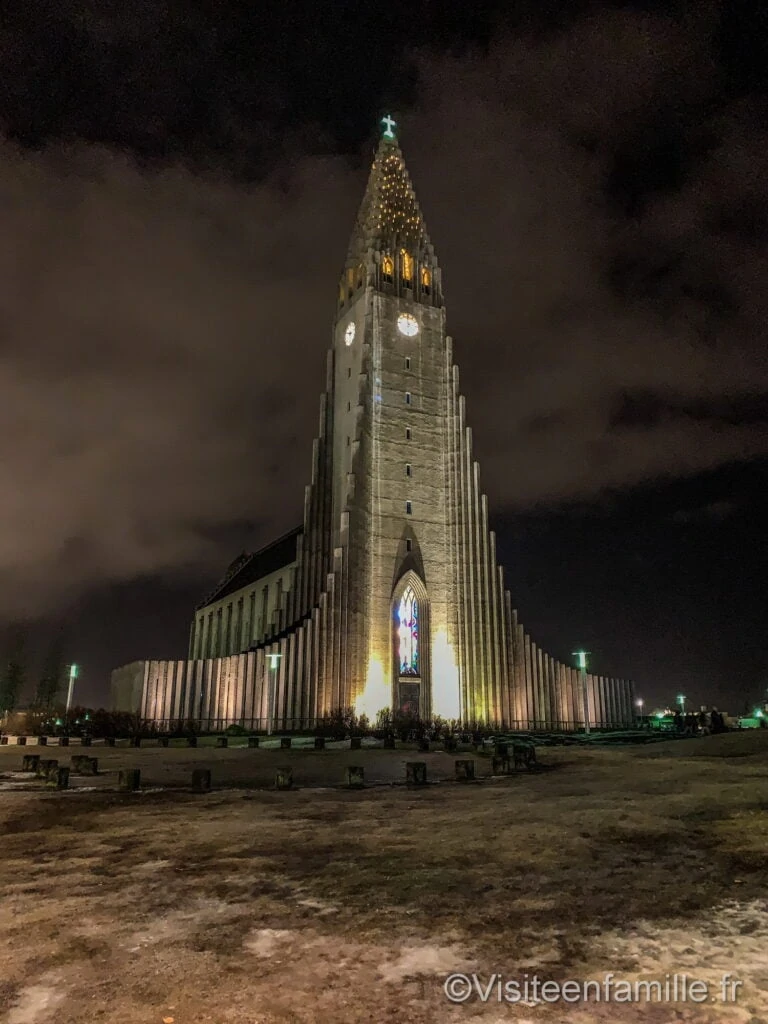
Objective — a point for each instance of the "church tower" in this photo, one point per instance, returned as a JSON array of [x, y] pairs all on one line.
[[389, 595], [392, 492]]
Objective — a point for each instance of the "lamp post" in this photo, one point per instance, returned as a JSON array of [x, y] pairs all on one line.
[[581, 664], [681, 702], [274, 661], [71, 689]]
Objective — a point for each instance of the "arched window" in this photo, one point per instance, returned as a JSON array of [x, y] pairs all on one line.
[[407, 629], [406, 266], [387, 269], [342, 296], [426, 280]]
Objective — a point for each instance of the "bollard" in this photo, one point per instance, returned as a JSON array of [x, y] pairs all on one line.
[[30, 762], [416, 773], [63, 741], [500, 765], [253, 742], [86, 741], [285, 742], [284, 778], [109, 741], [201, 780], [136, 741], [191, 741], [423, 745], [222, 741], [465, 771], [45, 766], [58, 778], [319, 742], [163, 741], [129, 780], [355, 778], [355, 743], [42, 741], [21, 741], [389, 742]]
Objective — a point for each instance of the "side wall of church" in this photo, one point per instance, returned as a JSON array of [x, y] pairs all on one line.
[[243, 618], [272, 689]]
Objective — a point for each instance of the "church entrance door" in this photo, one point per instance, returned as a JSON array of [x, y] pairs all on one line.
[[410, 694]]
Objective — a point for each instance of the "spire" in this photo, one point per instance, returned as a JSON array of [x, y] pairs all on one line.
[[389, 217]]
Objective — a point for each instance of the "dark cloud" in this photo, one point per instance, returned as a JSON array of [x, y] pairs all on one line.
[[163, 332]]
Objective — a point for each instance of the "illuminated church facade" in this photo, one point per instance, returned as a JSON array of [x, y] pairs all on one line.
[[389, 595]]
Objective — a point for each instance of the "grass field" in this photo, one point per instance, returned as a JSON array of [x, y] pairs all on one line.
[[247, 905]]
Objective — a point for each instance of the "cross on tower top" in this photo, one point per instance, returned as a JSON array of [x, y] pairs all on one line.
[[389, 123]]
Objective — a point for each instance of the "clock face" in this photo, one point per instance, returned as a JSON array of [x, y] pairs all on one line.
[[407, 325], [349, 334]]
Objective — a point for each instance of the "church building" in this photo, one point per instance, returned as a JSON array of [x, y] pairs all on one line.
[[389, 595]]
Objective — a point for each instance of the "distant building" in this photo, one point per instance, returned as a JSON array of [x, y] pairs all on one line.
[[390, 594]]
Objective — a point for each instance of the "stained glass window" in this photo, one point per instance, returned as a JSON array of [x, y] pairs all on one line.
[[408, 633]]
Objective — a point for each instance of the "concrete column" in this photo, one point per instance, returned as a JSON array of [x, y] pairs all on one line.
[[521, 678], [530, 683], [554, 696]]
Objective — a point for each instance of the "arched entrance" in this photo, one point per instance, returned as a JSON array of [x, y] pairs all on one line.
[[410, 648]]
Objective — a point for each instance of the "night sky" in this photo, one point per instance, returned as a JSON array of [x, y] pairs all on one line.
[[178, 185]]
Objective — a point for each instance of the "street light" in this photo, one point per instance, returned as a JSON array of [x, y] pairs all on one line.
[[274, 661], [70, 692], [681, 701], [581, 664], [639, 703]]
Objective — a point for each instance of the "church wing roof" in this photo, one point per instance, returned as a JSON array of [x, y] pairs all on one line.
[[389, 215], [249, 568]]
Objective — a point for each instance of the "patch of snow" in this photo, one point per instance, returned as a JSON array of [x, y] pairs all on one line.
[[37, 1003], [265, 942], [418, 961]]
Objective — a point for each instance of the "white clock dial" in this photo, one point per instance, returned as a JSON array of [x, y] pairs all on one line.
[[407, 325], [349, 334]]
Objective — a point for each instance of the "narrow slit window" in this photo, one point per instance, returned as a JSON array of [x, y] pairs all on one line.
[[349, 407], [407, 362], [408, 508], [349, 372], [407, 469], [406, 265], [408, 544], [407, 397], [407, 433]]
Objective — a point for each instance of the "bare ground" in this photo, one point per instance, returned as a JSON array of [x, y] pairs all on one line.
[[246, 905]]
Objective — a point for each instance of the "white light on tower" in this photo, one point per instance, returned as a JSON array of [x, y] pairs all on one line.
[[581, 663], [274, 664], [71, 690]]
